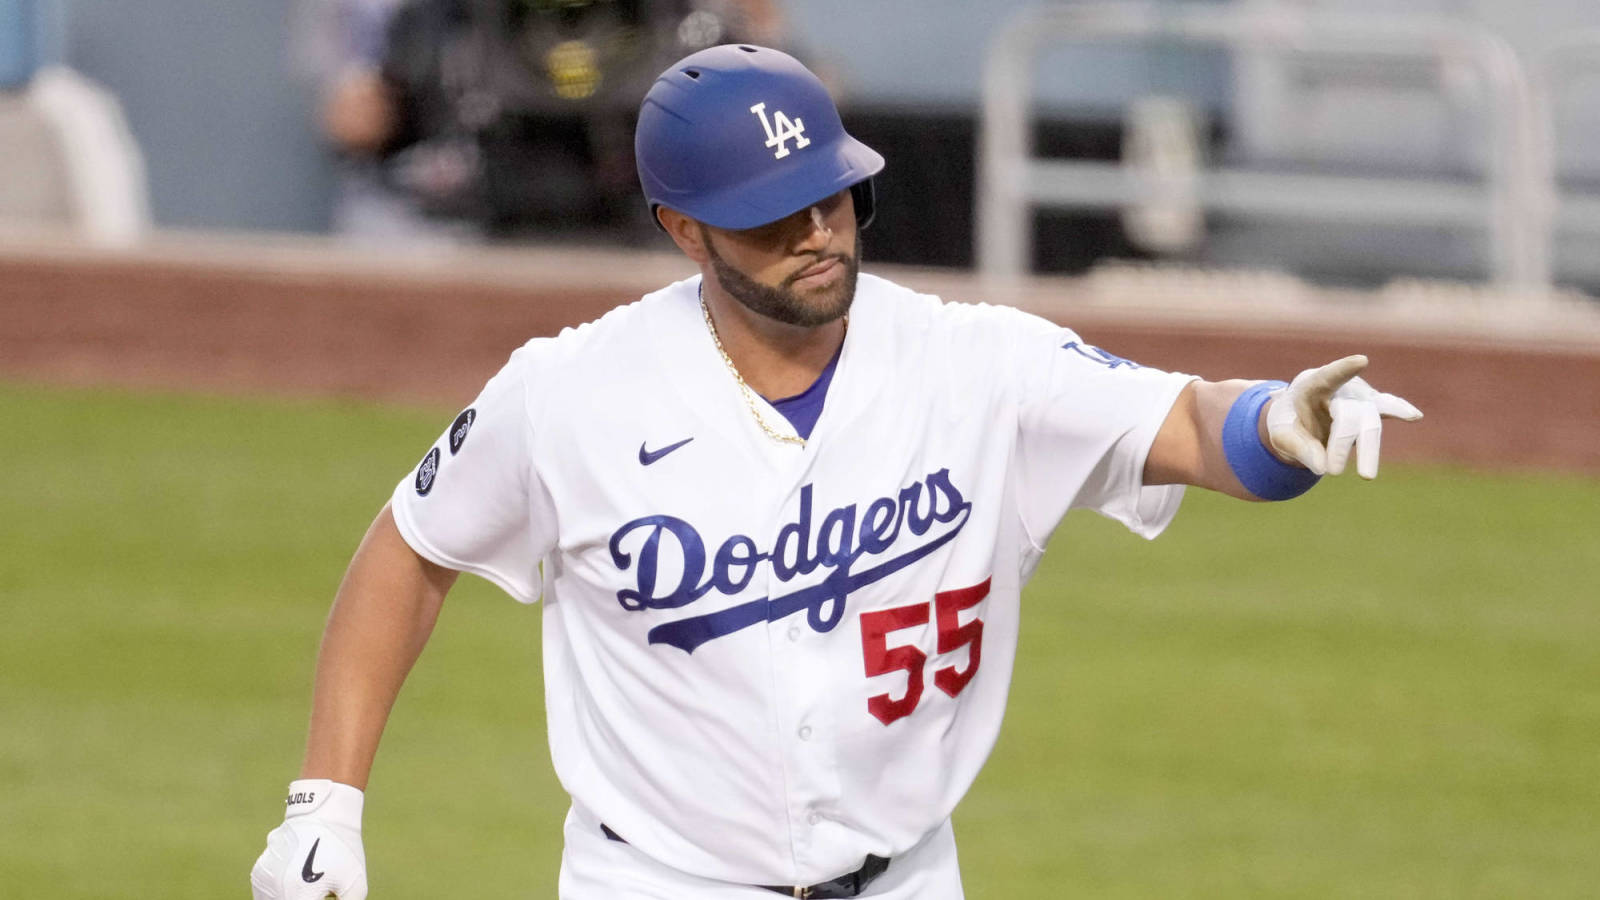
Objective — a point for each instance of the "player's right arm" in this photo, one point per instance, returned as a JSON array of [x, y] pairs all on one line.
[[472, 504], [382, 617]]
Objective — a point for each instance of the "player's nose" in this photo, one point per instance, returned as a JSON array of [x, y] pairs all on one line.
[[811, 231]]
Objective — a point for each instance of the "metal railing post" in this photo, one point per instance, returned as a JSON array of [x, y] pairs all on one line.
[[1512, 208]]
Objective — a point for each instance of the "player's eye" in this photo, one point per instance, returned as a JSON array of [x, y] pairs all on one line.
[[833, 203]]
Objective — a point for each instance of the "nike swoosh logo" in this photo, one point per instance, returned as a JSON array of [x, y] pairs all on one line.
[[646, 457], [305, 870]]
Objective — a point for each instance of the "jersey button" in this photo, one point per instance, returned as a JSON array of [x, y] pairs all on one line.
[[794, 632], [815, 818], [804, 732]]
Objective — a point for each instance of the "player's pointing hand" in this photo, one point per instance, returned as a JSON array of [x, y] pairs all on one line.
[[1328, 411]]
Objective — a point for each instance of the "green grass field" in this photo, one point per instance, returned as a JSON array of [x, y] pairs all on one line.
[[1381, 690]]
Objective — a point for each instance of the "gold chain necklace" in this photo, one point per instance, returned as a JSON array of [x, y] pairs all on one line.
[[749, 395]]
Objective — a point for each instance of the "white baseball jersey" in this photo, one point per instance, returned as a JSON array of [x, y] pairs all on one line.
[[764, 661]]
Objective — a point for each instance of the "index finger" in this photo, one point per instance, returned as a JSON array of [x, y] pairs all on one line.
[[1330, 377]]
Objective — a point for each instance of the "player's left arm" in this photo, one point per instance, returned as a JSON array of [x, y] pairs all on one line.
[[1269, 441]]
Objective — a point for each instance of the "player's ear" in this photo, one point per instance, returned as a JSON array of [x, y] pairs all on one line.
[[685, 232]]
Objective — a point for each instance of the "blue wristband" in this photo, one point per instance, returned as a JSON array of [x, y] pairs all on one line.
[[1261, 473]]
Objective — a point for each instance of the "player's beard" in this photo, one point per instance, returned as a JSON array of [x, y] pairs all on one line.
[[783, 303]]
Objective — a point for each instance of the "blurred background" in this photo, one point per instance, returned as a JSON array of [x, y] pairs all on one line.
[[255, 255], [511, 119]]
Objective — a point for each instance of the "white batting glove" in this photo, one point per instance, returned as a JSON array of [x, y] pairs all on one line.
[[317, 851], [1327, 411]]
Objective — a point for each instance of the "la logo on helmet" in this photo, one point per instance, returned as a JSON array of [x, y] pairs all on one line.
[[780, 129]]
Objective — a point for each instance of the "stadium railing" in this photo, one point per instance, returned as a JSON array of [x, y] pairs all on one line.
[[1513, 203]]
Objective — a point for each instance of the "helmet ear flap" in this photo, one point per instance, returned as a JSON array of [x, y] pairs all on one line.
[[866, 200]]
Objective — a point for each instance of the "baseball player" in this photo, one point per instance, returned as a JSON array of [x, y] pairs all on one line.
[[779, 516]]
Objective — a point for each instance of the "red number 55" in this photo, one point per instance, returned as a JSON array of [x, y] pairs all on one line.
[[879, 659]]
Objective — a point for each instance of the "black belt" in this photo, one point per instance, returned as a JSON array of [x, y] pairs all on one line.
[[848, 885]]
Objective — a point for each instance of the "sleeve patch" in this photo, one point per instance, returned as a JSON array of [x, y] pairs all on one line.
[[427, 471], [1096, 355], [460, 427]]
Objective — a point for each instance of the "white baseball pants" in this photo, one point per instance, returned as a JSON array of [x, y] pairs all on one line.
[[594, 867]]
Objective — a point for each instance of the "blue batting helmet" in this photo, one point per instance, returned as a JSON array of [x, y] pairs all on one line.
[[738, 136]]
